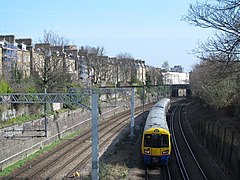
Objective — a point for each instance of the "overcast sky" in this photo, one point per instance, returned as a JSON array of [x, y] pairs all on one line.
[[151, 30]]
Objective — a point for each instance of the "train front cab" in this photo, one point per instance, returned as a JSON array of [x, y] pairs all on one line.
[[156, 147]]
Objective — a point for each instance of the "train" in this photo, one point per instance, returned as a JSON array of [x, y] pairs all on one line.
[[156, 140]]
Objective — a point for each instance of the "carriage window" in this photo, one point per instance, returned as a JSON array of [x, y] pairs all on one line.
[[164, 140], [156, 140], [148, 140]]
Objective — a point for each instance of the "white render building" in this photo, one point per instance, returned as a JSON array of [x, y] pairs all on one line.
[[175, 78]]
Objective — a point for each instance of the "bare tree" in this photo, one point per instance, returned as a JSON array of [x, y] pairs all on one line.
[[214, 91], [50, 37], [165, 66], [222, 16], [97, 62], [154, 76], [125, 63], [215, 79], [50, 69], [124, 55]]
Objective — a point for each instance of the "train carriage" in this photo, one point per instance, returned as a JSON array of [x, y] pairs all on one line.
[[156, 144]]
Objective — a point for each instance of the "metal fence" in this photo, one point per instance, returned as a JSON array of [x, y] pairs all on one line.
[[223, 144]]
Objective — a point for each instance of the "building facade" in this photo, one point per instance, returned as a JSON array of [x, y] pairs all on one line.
[[170, 78], [22, 56], [15, 56], [177, 68]]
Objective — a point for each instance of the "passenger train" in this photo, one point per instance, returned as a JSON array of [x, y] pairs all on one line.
[[156, 142]]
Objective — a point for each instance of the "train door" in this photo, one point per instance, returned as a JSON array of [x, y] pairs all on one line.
[[156, 144]]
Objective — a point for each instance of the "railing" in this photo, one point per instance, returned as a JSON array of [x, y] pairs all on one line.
[[223, 144]]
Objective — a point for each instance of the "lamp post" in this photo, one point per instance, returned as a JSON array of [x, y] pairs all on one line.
[[142, 71], [115, 83], [142, 65], [47, 60], [116, 79]]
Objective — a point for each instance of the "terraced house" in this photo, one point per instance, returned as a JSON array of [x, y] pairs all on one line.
[[16, 55], [19, 57]]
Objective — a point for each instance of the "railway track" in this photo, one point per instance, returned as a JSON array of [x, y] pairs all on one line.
[[188, 164], [73, 154], [156, 173], [189, 159]]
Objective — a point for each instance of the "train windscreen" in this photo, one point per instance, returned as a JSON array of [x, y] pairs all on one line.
[[156, 140]]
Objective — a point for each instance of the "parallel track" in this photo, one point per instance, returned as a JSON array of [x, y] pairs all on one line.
[[187, 162], [50, 164], [104, 136]]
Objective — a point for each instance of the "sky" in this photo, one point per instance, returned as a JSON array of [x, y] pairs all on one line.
[[150, 30]]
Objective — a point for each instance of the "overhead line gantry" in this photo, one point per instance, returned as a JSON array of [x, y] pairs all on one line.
[[74, 96]]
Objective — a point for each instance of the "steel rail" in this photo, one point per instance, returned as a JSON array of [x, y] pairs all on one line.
[[180, 162], [118, 126], [168, 175], [189, 148], [67, 145]]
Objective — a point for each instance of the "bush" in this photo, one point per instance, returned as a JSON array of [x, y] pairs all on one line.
[[19, 120]]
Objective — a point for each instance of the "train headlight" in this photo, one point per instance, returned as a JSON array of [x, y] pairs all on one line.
[[147, 151], [165, 152]]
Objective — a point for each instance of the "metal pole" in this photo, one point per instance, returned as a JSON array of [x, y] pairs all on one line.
[[45, 112], [116, 81], [115, 96], [132, 114], [143, 98], [95, 158]]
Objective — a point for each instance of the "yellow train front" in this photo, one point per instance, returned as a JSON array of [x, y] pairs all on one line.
[[156, 141]]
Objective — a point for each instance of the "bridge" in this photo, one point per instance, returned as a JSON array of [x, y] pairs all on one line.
[[180, 90]]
